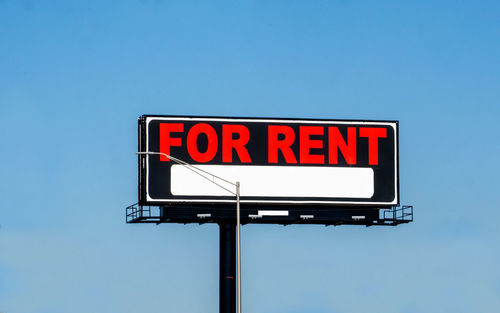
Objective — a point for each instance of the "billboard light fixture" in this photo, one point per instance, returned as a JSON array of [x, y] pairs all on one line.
[[273, 213], [358, 217]]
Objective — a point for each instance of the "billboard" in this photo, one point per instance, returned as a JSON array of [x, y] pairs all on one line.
[[292, 162]]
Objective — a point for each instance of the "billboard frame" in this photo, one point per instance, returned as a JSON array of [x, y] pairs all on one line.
[[143, 164]]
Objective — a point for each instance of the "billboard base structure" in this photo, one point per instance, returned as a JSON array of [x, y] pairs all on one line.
[[390, 216], [225, 217]]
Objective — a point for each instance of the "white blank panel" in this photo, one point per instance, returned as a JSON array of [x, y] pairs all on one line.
[[276, 181]]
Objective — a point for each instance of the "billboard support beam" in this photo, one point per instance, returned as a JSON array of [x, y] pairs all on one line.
[[227, 268]]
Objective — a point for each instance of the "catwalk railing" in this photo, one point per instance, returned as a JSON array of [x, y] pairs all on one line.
[[391, 216]]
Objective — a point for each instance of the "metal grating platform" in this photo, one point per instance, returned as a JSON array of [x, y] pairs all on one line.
[[391, 216]]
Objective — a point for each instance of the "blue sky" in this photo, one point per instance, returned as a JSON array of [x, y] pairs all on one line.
[[75, 76]]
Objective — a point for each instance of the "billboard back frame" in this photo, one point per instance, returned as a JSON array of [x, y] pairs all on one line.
[[143, 163]]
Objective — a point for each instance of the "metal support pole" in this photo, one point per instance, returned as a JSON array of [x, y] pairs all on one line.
[[238, 247], [227, 268]]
